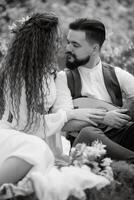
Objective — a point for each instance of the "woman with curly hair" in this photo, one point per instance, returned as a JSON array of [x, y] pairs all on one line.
[[28, 83]]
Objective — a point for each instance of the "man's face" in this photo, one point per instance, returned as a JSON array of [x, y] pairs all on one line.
[[78, 49]]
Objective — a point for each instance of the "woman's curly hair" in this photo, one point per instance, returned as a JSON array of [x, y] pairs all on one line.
[[30, 59]]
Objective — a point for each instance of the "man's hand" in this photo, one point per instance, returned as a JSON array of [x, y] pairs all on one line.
[[116, 118]]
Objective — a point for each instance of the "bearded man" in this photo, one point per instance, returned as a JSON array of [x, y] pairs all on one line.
[[87, 76]]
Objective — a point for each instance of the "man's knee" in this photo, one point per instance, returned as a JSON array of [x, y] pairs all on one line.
[[88, 135], [91, 130]]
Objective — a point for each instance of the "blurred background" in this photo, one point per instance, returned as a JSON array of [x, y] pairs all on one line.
[[117, 15]]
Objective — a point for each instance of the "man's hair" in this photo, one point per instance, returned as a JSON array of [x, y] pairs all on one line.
[[94, 29], [30, 59]]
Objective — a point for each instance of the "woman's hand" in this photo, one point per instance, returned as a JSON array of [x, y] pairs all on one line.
[[87, 115]]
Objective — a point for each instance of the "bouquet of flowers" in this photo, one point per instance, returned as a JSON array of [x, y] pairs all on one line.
[[93, 157]]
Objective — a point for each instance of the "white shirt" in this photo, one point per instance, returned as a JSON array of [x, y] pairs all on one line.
[[92, 85]]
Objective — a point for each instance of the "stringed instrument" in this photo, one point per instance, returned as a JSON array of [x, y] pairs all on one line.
[[89, 102]]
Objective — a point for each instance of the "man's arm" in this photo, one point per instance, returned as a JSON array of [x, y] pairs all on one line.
[[126, 81], [119, 118]]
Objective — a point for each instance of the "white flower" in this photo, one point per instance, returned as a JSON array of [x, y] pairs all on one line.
[[20, 22], [99, 147], [90, 153], [24, 19], [106, 162], [98, 144], [12, 27]]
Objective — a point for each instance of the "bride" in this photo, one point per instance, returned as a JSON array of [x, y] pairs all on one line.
[[29, 132]]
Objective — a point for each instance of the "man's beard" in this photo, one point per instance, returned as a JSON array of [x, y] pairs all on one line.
[[76, 62]]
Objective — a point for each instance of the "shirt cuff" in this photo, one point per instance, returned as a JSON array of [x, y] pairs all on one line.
[[63, 114]]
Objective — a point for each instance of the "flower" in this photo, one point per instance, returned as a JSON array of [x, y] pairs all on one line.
[[24, 19], [99, 147], [12, 27], [92, 156], [19, 22], [106, 162]]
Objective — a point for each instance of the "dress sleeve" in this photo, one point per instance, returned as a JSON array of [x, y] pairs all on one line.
[[63, 95], [126, 81], [56, 119], [54, 122]]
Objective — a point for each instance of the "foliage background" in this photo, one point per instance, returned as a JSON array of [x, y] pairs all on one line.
[[117, 15], [118, 49]]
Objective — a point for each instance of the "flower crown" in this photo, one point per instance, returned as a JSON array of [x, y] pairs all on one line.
[[19, 23]]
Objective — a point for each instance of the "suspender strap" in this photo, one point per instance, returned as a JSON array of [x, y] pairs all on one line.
[[112, 84], [74, 82], [70, 81]]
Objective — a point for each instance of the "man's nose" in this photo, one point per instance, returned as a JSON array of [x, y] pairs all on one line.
[[69, 48]]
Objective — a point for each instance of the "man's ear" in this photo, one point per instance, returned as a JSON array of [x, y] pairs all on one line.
[[96, 47]]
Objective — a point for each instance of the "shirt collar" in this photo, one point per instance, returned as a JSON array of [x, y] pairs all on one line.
[[98, 66]]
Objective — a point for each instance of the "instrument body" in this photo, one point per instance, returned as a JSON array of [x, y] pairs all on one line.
[[88, 102]]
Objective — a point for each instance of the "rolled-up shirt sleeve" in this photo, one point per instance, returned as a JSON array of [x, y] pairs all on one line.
[[63, 96], [126, 81]]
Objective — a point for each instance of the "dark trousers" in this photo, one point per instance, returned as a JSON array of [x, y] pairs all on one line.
[[119, 142]]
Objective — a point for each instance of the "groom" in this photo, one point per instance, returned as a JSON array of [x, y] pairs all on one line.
[[88, 76]]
